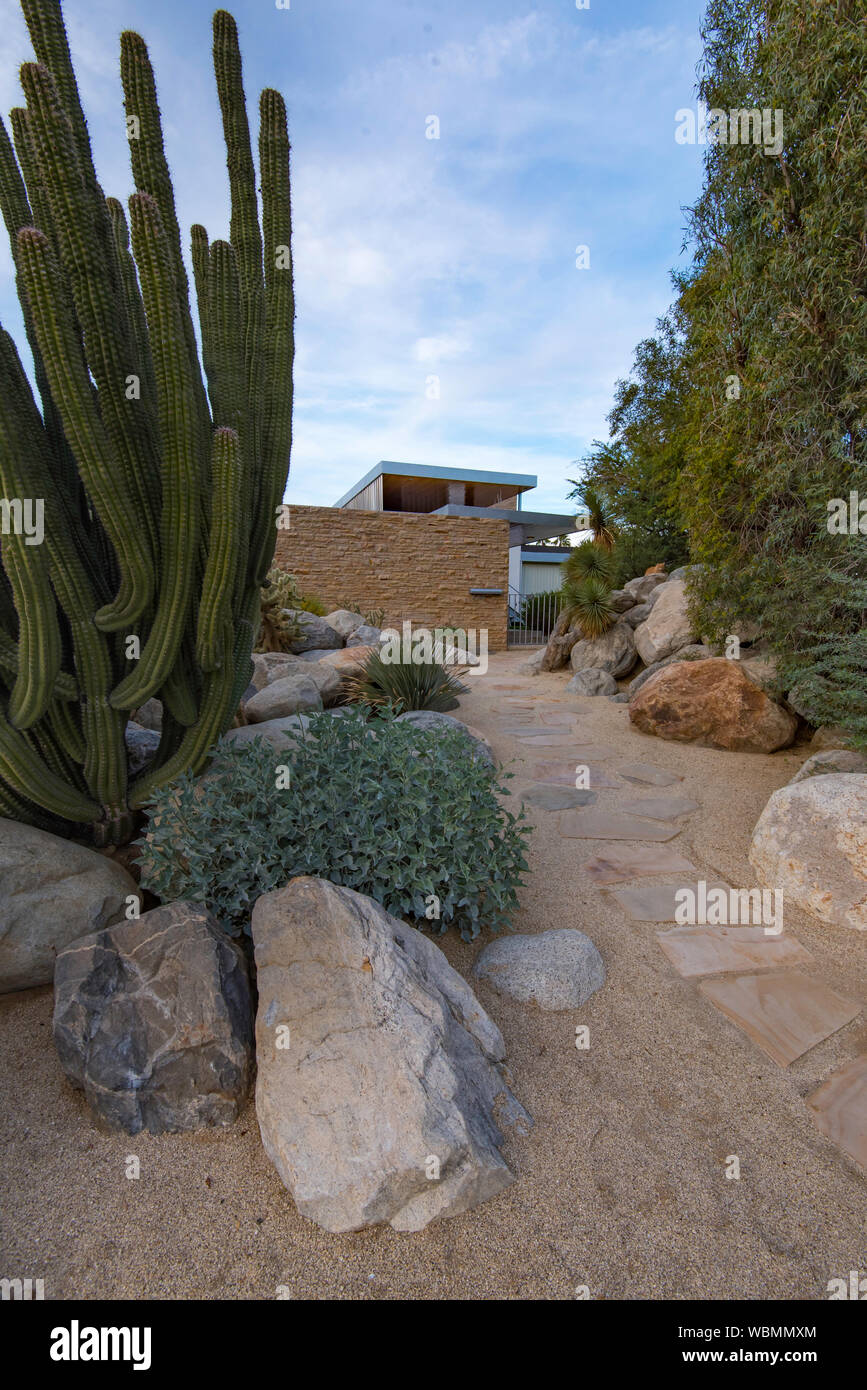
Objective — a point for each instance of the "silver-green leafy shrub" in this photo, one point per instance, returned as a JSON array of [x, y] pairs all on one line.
[[402, 814]]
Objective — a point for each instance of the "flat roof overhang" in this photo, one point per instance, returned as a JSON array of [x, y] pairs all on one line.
[[515, 482], [523, 526]]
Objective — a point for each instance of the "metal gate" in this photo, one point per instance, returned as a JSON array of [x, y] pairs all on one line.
[[531, 618]]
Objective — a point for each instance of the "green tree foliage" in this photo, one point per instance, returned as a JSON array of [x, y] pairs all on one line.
[[776, 352]]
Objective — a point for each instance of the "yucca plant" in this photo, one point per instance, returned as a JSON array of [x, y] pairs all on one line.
[[597, 513], [588, 605], [404, 685], [160, 496], [590, 561]]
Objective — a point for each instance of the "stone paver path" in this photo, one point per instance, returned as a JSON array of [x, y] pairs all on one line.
[[840, 1108], [721, 950], [784, 1014], [784, 1010]]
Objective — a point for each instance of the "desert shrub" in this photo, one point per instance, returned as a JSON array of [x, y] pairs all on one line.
[[588, 602], [311, 603], [539, 612], [403, 685], [402, 814]]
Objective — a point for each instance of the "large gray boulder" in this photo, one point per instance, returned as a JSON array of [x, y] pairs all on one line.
[[291, 695], [555, 970], [316, 633], [344, 621], [593, 681], [622, 600], [141, 746], [153, 1020], [639, 614], [52, 892], [643, 586], [613, 652], [149, 715], [364, 636], [811, 842], [832, 760], [380, 1095], [280, 733], [668, 628], [478, 747]]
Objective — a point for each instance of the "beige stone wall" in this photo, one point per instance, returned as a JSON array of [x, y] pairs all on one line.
[[414, 565]]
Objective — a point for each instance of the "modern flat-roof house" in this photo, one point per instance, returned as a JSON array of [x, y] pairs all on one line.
[[436, 545]]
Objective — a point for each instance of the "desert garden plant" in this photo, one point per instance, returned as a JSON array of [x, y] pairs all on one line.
[[404, 685], [160, 487], [402, 814]]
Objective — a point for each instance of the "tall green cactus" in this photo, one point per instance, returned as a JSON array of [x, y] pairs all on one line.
[[160, 484]]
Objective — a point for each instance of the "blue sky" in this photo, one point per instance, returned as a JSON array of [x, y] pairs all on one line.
[[417, 258]]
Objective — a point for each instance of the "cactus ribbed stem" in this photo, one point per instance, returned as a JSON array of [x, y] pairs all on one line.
[[159, 494]]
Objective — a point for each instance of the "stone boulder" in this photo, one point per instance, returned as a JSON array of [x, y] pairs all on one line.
[[832, 760], [52, 892], [668, 628], [762, 666], [638, 615], [533, 665], [477, 745], [622, 600], [613, 652], [149, 715], [593, 681], [365, 636], [714, 704], [694, 652], [280, 733], [153, 1020], [643, 586], [347, 660], [344, 621], [811, 842], [555, 970], [141, 746], [316, 633], [291, 695], [830, 736], [380, 1095]]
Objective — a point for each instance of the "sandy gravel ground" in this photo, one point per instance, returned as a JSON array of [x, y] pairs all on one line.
[[621, 1184]]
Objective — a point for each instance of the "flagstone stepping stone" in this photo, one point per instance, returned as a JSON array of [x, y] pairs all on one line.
[[636, 861], [512, 730], [550, 798], [654, 902], [554, 970], [563, 774], [613, 825], [647, 773], [717, 950], [499, 685], [545, 739], [557, 716], [785, 1014], [840, 1108], [661, 807]]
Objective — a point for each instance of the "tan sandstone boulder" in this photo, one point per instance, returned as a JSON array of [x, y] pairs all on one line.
[[714, 704], [811, 842]]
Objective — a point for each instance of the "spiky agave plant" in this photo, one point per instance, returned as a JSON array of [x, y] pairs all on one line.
[[404, 685], [160, 496]]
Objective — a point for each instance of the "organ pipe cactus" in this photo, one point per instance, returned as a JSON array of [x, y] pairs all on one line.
[[158, 485]]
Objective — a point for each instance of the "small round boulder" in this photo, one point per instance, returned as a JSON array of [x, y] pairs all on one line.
[[555, 970]]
